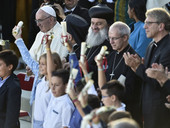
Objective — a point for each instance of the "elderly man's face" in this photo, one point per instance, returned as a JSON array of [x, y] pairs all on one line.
[[117, 40], [43, 21], [70, 3], [97, 34], [151, 27], [98, 24]]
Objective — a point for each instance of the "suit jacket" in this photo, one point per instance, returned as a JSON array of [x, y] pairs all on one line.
[[82, 12], [10, 99], [166, 87], [156, 115]]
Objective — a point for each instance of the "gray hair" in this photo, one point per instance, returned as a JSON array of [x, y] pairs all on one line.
[[161, 15], [123, 29]]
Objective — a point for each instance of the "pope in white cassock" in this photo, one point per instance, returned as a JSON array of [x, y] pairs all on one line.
[[46, 21]]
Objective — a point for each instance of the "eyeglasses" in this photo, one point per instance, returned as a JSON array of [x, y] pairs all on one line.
[[41, 20], [150, 22], [115, 38], [105, 97]]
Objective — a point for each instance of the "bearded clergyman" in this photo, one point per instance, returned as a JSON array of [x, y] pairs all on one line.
[[101, 18]]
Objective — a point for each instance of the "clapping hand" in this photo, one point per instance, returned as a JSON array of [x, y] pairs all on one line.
[[168, 104], [132, 60], [158, 72]]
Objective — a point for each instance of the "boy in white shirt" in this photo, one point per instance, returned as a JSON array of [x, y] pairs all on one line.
[[60, 107]]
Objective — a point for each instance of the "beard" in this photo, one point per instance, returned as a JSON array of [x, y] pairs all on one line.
[[95, 39]]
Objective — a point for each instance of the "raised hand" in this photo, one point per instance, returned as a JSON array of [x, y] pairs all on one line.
[[70, 42], [18, 35], [83, 66], [98, 62], [60, 11]]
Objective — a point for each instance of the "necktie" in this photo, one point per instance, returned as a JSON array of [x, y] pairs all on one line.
[[68, 12]]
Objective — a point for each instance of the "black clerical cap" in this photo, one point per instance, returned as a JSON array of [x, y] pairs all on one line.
[[77, 27], [102, 11]]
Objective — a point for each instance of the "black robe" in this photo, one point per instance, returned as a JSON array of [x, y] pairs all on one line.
[[91, 53], [155, 114], [132, 83]]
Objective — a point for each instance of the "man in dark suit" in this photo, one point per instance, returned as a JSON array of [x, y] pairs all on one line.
[[163, 77], [155, 114], [10, 91], [71, 7]]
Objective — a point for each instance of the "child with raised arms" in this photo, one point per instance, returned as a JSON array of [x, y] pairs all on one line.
[[40, 92], [60, 107]]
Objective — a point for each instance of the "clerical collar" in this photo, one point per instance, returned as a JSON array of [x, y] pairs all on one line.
[[159, 42], [124, 50], [155, 44], [115, 66]]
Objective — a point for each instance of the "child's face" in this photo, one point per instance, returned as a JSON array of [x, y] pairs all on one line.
[[5, 70], [107, 101], [57, 86], [43, 66]]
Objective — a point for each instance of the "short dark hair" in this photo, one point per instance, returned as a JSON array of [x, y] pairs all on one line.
[[63, 74], [114, 87], [93, 101], [10, 58]]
